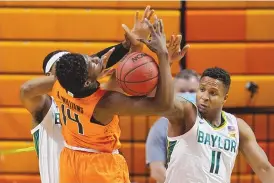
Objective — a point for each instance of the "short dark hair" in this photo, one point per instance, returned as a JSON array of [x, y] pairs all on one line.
[[219, 74], [48, 57], [72, 72], [187, 74]]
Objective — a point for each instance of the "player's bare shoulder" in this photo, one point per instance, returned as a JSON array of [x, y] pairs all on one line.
[[104, 109], [110, 100]]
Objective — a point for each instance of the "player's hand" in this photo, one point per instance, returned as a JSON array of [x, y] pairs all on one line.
[[175, 53], [140, 29], [104, 61], [157, 43]]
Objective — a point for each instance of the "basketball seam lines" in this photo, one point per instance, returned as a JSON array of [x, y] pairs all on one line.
[[136, 68], [125, 83], [124, 65], [136, 81], [130, 72], [139, 92]]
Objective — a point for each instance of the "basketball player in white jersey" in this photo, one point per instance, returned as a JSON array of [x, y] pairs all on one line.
[[46, 130], [203, 140]]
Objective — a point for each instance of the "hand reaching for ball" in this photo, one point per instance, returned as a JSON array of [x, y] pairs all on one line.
[[175, 53], [140, 29], [157, 43]]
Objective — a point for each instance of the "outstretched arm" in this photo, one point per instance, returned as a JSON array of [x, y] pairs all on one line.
[[254, 154]]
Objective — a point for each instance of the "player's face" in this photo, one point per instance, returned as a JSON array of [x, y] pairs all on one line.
[[95, 67], [190, 85], [211, 95]]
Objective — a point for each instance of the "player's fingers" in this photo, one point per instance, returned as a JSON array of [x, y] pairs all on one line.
[[150, 26], [146, 12], [158, 31], [155, 18], [143, 41], [185, 49], [150, 14], [129, 35], [107, 72], [178, 40], [172, 39], [155, 21], [162, 26], [126, 29], [136, 18], [106, 56]]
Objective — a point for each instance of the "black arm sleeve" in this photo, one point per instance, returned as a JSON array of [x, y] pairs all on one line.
[[116, 56]]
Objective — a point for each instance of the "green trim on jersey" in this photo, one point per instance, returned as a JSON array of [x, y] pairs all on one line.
[[223, 123], [36, 141], [170, 148]]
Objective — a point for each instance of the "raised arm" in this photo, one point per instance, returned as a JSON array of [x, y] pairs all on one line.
[[33, 93], [254, 154], [37, 87]]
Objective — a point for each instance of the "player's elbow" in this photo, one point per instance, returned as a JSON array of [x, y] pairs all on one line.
[[25, 91], [162, 108], [264, 167], [164, 105], [265, 172]]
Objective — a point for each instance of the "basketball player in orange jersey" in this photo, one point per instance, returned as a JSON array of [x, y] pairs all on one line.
[[46, 130], [89, 114]]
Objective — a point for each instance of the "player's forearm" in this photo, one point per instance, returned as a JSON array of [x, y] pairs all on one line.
[[120, 51], [266, 174], [37, 87], [263, 168], [165, 91], [260, 164]]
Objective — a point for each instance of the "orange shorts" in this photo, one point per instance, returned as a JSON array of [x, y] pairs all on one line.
[[84, 167]]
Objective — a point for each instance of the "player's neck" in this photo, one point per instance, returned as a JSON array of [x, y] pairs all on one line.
[[214, 118], [88, 90]]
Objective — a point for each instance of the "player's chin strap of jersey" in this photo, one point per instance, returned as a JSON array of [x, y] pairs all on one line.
[[116, 151], [12, 151]]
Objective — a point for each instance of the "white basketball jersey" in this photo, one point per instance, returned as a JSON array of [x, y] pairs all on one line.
[[204, 154], [49, 143]]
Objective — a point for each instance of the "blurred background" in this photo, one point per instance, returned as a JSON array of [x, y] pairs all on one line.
[[237, 36]]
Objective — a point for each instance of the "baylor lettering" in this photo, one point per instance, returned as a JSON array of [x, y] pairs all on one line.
[[220, 142]]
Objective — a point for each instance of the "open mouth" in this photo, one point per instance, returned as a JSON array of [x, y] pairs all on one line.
[[202, 106]]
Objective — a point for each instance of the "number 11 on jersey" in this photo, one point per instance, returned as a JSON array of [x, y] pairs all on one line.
[[215, 162]]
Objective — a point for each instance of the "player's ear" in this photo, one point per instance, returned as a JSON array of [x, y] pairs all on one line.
[[226, 97], [87, 83]]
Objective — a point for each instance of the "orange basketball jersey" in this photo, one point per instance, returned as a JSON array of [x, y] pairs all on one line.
[[77, 126]]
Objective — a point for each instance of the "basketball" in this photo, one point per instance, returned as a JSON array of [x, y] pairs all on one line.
[[137, 74]]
